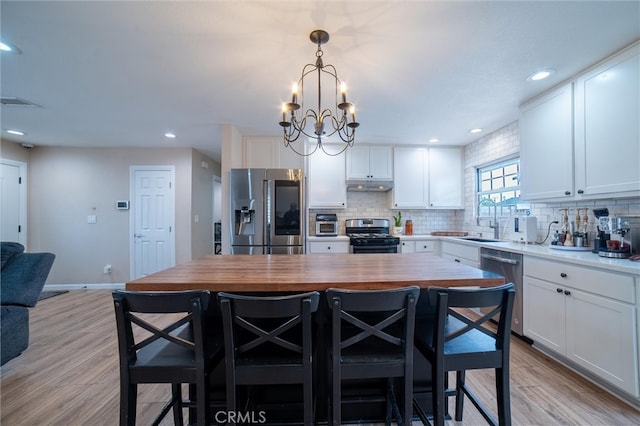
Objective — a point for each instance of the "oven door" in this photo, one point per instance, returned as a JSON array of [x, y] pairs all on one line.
[[374, 249]]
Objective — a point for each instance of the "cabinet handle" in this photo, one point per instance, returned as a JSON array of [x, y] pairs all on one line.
[[558, 290], [329, 248], [563, 275], [567, 192], [580, 191], [456, 260], [567, 292]]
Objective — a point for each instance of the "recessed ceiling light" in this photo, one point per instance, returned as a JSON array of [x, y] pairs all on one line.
[[434, 140], [541, 75], [15, 132], [170, 135], [9, 48], [476, 130]]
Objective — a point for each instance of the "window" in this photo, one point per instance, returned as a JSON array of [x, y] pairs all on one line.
[[499, 186]]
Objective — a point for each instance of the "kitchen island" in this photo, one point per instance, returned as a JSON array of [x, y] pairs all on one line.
[[317, 272], [279, 273]]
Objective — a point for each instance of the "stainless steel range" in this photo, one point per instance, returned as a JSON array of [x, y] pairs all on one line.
[[370, 236]]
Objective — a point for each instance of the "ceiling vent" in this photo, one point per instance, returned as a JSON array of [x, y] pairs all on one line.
[[16, 102]]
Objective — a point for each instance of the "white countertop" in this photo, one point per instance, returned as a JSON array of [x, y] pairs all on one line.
[[585, 258]]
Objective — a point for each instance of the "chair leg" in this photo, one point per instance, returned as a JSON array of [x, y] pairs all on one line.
[[128, 402], [503, 396], [460, 381], [336, 398], [176, 392], [438, 398], [308, 398], [202, 400]]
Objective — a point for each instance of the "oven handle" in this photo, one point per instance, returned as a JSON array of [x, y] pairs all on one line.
[[499, 259]]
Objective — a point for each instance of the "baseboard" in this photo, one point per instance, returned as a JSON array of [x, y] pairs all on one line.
[[104, 286]]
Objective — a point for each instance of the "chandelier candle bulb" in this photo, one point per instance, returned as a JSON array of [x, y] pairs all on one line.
[[343, 90]]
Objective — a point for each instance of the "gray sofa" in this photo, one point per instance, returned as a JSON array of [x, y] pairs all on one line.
[[22, 276]]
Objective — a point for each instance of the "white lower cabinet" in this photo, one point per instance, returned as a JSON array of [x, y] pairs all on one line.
[[462, 253], [586, 315], [317, 247], [410, 245]]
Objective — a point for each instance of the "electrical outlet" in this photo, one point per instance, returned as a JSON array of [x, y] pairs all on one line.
[[107, 269]]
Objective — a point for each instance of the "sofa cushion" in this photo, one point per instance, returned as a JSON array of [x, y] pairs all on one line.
[[23, 277], [8, 250], [14, 331]]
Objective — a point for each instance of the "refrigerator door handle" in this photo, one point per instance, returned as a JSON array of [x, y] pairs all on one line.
[[266, 214]]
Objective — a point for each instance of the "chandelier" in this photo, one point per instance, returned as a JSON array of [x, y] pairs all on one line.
[[327, 120]]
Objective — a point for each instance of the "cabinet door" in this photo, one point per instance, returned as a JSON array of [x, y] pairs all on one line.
[[358, 162], [321, 247], [607, 111], [445, 178], [259, 153], [602, 338], [407, 246], [544, 313], [410, 180], [326, 181], [268, 153], [546, 146], [381, 162], [426, 246]]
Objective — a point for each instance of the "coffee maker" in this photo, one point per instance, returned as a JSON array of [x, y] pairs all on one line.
[[619, 235], [601, 238]]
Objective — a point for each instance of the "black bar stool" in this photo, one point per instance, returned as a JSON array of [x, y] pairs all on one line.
[[458, 343]]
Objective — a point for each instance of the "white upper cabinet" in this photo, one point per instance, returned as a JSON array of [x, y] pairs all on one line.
[[369, 162], [581, 141], [427, 178], [546, 148], [326, 180], [445, 178], [270, 153], [607, 128], [410, 178]]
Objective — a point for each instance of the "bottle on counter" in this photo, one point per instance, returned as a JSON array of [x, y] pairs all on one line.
[[408, 227]]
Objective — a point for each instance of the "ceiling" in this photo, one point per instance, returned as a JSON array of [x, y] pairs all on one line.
[[122, 74]]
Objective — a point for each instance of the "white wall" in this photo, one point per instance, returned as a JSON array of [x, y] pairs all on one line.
[[68, 184]]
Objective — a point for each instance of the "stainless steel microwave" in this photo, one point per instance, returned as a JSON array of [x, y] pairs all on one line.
[[326, 225]]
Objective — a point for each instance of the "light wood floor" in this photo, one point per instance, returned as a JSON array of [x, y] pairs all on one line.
[[69, 376]]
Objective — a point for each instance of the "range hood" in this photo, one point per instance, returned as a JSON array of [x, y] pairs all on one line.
[[369, 185]]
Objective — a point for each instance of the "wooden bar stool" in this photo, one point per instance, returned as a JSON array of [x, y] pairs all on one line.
[[372, 338], [176, 352], [268, 341], [458, 343]]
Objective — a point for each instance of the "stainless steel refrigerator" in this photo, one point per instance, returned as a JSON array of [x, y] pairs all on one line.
[[267, 211]]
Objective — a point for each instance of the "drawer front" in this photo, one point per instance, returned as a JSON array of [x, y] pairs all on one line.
[[461, 250], [317, 247], [597, 281], [426, 246]]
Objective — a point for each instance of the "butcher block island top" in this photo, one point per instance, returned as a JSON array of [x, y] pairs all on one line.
[[282, 273]]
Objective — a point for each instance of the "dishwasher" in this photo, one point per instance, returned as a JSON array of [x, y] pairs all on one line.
[[509, 265]]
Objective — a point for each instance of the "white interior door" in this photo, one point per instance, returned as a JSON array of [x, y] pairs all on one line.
[[153, 216], [13, 201]]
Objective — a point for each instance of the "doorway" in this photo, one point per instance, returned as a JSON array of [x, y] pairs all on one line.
[[13, 201], [152, 219]]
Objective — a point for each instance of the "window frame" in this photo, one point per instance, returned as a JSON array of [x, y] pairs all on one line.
[[484, 209]]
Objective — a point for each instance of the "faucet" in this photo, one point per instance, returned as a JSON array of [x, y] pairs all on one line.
[[495, 226]]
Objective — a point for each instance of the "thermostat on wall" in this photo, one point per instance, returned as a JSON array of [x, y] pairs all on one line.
[[122, 205]]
